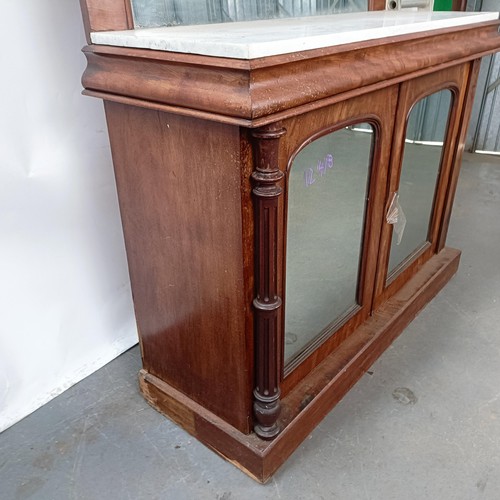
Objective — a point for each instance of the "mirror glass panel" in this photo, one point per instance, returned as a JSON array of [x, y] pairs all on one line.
[[425, 134], [327, 197], [154, 13]]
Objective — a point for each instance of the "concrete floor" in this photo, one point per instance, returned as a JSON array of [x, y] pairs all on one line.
[[423, 423]]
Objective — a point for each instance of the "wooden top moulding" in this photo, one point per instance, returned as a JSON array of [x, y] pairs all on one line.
[[255, 92]]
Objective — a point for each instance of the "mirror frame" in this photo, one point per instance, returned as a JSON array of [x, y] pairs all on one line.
[[428, 242], [332, 328], [452, 78]]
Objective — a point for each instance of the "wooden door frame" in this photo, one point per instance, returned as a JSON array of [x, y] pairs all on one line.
[[301, 131], [454, 79]]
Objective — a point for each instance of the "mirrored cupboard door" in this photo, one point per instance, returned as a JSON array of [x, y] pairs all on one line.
[[336, 161], [422, 161], [365, 203]]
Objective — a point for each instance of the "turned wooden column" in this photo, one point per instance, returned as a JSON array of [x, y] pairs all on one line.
[[267, 303]]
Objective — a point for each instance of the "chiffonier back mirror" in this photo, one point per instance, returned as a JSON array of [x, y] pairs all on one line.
[[285, 186]]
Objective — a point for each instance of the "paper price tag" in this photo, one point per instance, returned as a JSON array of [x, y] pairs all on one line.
[[396, 217]]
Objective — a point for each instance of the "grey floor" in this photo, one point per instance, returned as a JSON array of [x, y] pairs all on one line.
[[424, 423]]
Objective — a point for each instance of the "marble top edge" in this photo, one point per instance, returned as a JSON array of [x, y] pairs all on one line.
[[255, 39]]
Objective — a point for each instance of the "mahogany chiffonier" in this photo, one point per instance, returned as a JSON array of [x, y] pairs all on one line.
[[285, 188]]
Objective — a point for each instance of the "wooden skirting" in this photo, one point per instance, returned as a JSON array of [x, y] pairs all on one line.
[[311, 400]]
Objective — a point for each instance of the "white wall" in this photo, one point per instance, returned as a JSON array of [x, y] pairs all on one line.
[[65, 302]]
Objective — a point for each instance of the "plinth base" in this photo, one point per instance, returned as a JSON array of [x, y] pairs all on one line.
[[311, 400]]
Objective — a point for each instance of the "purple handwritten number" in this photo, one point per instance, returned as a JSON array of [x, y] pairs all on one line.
[[309, 177], [321, 167], [329, 161]]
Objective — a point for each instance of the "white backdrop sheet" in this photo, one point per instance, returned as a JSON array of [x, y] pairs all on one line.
[[65, 301]]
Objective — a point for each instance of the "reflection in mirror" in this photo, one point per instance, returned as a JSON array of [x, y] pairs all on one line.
[[327, 192], [422, 153], [154, 13]]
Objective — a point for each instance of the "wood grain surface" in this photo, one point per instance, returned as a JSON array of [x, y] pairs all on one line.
[[454, 79], [106, 15], [179, 190], [318, 393], [377, 108], [284, 85]]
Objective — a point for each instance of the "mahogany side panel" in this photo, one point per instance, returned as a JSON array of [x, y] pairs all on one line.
[[179, 184]]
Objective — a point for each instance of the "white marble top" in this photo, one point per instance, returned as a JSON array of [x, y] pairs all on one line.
[[253, 39]]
